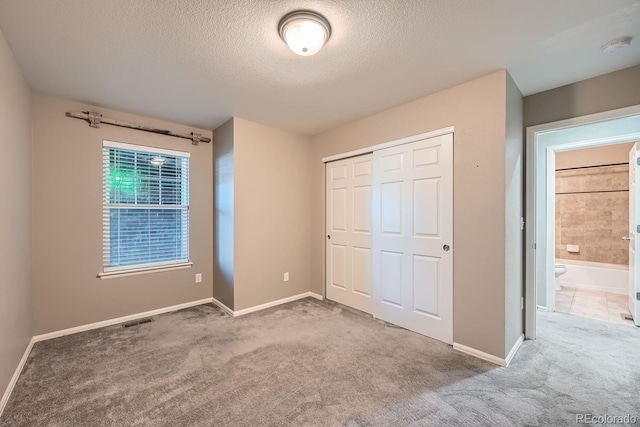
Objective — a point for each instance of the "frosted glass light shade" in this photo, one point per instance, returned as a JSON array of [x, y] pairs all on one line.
[[304, 32]]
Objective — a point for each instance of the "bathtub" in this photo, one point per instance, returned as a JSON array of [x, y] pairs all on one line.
[[595, 276]]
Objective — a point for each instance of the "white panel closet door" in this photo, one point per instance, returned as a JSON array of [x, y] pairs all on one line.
[[349, 232], [413, 236]]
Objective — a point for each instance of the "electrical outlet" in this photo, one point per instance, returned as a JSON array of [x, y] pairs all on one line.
[[286, 276], [198, 277]]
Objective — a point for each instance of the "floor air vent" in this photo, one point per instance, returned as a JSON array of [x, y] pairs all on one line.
[[137, 322]]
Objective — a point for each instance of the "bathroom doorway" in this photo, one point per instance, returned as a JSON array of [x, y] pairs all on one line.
[[591, 233], [543, 143]]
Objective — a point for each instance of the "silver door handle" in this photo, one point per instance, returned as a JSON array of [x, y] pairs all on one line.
[[626, 238]]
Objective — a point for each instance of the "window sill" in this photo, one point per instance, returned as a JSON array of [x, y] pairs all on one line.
[[137, 271]]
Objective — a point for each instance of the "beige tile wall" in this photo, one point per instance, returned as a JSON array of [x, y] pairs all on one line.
[[592, 211]]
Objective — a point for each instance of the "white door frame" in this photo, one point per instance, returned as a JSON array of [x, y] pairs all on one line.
[[632, 236], [540, 199]]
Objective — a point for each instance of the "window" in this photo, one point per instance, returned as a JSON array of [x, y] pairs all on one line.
[[145, 207]]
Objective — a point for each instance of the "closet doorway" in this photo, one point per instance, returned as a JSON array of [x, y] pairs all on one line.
[[389, 224]]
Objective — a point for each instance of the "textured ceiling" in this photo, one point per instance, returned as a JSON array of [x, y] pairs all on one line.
[[201, 61]]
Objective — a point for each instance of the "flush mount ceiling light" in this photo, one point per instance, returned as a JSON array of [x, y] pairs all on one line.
[[304, 31], [616, 45]]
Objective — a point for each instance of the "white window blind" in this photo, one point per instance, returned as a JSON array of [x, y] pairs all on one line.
[[145, 207]]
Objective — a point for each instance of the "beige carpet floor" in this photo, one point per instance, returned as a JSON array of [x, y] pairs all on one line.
[[312, 363]]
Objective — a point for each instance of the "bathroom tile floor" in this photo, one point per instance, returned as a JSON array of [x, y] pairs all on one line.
[[594, 304]]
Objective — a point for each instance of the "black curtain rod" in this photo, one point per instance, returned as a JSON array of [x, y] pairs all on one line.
[[94, 119], [590, 167]]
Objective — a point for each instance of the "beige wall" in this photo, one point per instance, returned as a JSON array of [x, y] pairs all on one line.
[[606, 155], [15, 215], [272, 211], [603, 93], [514, 206], [223, 218], [592, 211], [477, 110], [67, 221]]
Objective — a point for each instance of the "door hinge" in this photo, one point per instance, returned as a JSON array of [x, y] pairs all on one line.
[[638, 161], [638, 296], [637, 228], [534, 246]]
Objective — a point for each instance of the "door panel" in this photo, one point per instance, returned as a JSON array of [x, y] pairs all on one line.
[[348, 243], [339, 209], [412, 234], [425, 284], [362, 271], [338, 266], [426, 207], [338, 173], [362, 168], [391, 208], [392, 162], [390, 277], [426, 157], [362, 209]]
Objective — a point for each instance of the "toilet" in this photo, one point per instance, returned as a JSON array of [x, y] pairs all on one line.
[[560, 270]]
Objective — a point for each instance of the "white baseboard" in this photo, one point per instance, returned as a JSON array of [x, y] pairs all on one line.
[[480, 354], [266, 305], [490, 357], [16, 375], [274, 303], [223, 307], [316, 296], [118, 320], [514, 350]]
